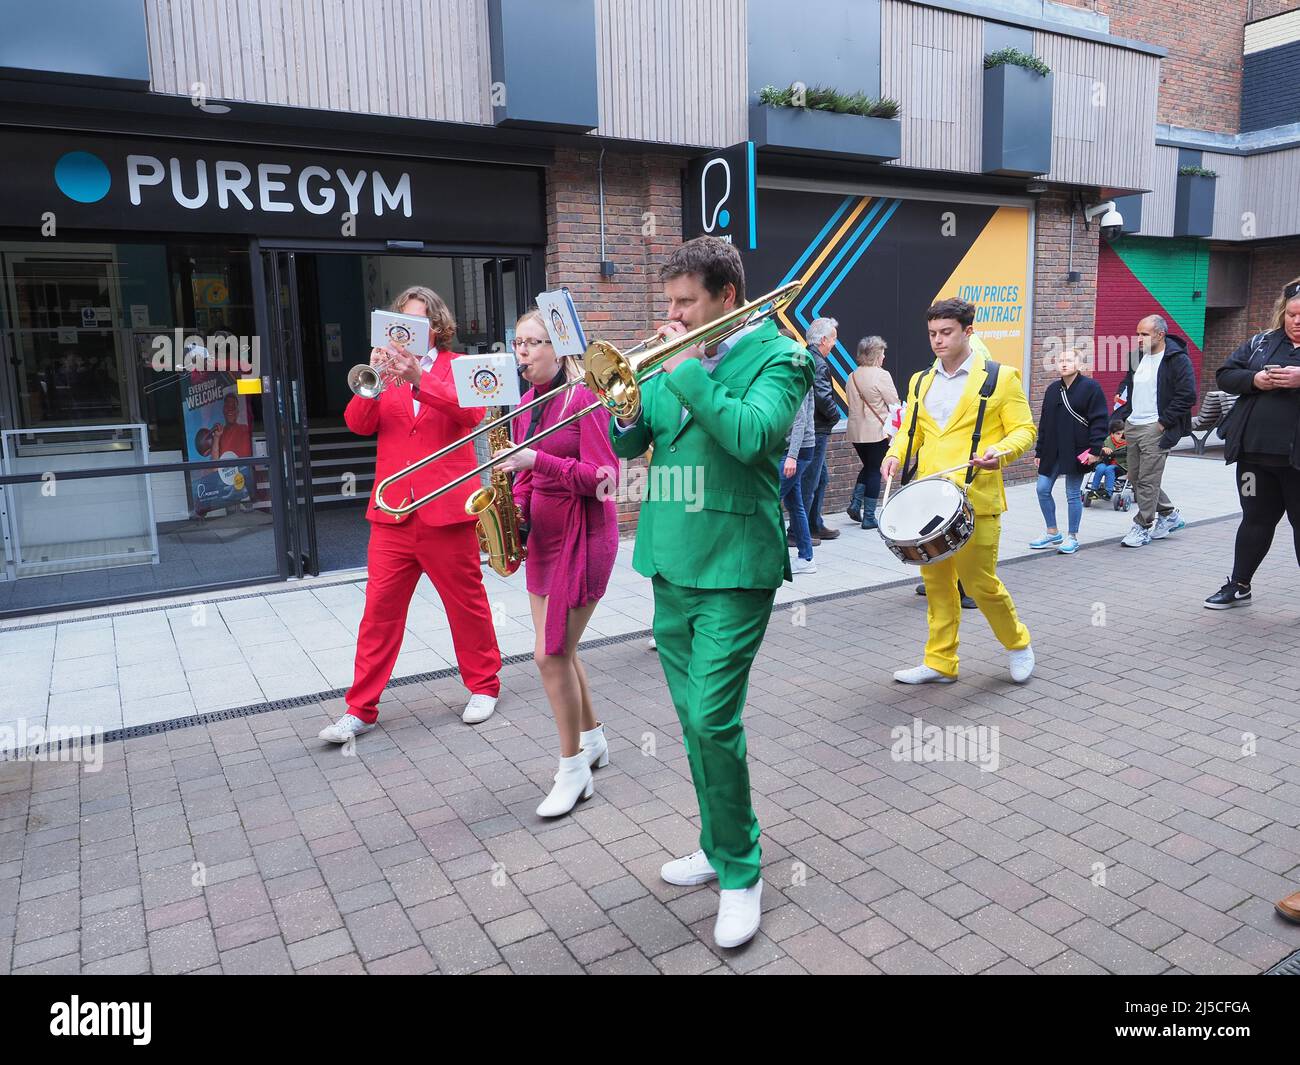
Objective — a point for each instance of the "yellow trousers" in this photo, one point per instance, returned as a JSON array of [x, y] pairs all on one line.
[[976, 566]]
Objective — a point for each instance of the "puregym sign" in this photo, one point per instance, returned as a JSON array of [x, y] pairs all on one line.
[[63, 182], [276, 187]]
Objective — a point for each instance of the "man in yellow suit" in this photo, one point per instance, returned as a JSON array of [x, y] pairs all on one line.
[[942, 428]]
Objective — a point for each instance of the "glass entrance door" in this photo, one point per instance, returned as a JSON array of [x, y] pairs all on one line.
[[290, 410]]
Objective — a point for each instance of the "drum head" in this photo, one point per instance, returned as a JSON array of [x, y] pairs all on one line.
[[919, 510]]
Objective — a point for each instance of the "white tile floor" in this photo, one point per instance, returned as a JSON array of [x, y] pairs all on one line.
[[195, 655]]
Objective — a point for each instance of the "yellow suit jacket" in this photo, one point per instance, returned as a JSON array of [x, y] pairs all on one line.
[[1008, 426]]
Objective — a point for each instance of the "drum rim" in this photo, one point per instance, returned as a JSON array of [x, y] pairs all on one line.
[[963, 507]]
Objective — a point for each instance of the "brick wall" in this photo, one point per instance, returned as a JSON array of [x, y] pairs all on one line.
[[1059, 305], [643, 223], [1258, 9], [1271, 267], [1200, 79]]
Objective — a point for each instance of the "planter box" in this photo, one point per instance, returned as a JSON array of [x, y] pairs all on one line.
[[1194, 206], [1017, 122], [799, 131]]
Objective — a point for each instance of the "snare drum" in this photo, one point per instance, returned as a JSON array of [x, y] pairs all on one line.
[[926, 521]]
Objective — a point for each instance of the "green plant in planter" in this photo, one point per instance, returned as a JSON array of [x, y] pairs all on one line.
[[1016, 58], [1195, 171], [819, 98]]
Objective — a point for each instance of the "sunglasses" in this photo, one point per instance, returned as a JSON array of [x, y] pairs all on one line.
[[1291, 291]]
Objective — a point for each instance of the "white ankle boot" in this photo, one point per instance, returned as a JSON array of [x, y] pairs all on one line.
[[595, 747], [572, 782]]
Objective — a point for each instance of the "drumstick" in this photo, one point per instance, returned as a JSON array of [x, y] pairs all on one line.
[[954, 469], [889, 481]]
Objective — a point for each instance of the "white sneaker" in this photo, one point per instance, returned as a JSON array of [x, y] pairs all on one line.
[[1137, 536], [739, 911], [922, 675], [595, 747], [345, 728], [651, 645], [1022, 664], [803, 565], [1166, 524], [479, 709], [689, 871], [572, 782]]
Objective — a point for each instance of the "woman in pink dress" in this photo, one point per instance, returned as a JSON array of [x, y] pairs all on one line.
[[565, 490]]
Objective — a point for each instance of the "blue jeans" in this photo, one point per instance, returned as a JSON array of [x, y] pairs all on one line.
[[1106, 476], [815, 479], [792, 497], [1073, 500]]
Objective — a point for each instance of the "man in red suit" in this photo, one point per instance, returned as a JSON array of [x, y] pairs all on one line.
[[416, 414]]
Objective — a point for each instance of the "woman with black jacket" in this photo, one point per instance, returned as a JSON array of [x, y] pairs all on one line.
[[1074, 421], [1262, 436]]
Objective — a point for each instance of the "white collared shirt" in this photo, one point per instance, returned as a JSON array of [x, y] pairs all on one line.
[[944, 393], [710, 362], [426, 364]]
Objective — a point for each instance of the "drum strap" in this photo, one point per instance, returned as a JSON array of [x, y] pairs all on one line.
[[991, 368], [909, 468]]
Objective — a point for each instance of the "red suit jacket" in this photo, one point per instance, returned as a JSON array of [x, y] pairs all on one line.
[[405, 437]]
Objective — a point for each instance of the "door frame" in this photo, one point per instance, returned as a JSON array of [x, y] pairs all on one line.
[[283, 381]]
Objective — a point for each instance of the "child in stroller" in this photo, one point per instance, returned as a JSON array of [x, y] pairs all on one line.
[[1110, 476]]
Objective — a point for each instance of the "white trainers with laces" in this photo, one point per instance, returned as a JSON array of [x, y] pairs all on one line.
[[479, 709], [349, 726], [689, 871], [1137, 536], [739, 913], [922, 675]]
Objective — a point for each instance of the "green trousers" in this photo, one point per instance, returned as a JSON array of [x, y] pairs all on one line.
[[707, 639]]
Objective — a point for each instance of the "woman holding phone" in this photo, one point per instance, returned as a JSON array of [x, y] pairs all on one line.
[[1071, 432], [1262, 436]]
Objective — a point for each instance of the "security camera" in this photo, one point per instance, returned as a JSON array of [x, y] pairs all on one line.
[[1112, 222]]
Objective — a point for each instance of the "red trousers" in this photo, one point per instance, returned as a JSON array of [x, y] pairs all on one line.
[[396, 557]]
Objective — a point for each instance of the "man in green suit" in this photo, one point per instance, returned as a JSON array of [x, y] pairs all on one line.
[[717, 420]]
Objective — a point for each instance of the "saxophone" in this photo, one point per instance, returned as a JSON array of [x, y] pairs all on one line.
[[494, 506]]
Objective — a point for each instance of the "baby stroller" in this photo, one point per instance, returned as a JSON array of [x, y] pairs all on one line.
[[1121, 498]]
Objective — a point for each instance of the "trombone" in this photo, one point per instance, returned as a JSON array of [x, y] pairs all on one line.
[[614, 376]]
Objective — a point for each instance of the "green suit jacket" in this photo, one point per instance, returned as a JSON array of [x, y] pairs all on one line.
[[712, 515]]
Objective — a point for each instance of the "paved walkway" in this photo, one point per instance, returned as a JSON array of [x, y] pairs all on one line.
[[1142, 816], [194, 655]]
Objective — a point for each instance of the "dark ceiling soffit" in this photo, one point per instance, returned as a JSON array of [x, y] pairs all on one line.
[[164, 115], [775, 165]]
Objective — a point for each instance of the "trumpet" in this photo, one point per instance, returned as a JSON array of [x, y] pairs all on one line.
[[369, 381], [614, 376]]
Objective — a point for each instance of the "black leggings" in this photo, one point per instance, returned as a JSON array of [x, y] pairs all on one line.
[[1266, 493], [872, 455]]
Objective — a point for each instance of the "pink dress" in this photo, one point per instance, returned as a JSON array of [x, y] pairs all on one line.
[[568, 500]]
